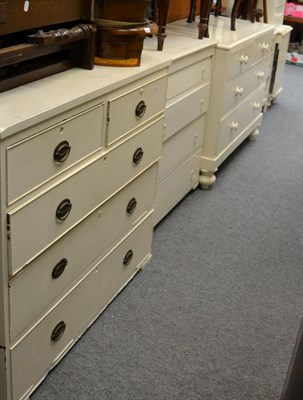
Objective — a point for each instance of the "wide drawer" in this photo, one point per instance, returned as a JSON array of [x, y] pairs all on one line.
[[188, 77], [263, 46], [47, 218], [130, 110], [181, 145], [186, 109], [37, 287], [176, 185], [242, 86], [239, 60], [233, 124], [35, 160], [42, 348]]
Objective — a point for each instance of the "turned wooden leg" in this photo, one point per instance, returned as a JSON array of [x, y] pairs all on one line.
[[234, 14], [163, 6], [218, 7], [205, 9], [265, 15], [207, 178], [192, 13]]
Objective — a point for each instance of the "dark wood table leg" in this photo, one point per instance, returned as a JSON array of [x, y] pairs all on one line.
[[192, 12], [234, 14], [163, 6], [205, 9]]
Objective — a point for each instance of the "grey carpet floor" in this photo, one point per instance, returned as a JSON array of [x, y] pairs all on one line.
[[215, 314]]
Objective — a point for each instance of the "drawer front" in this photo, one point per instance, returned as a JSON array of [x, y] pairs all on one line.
[[263, 46], [180, 113], [188, 77], [239, 60], [88, 298], [34, 290], [39, 158], [181, 145], [241, 87], [236, 122], [130, 110], [80, 194], [176, 185]]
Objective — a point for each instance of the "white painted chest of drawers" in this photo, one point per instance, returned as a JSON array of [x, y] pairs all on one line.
[[79, 167], [187, 99], [242, 65]]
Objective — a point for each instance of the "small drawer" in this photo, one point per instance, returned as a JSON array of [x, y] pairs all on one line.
[[188, 77], [181, 145], [263, 46], [130, 110], [53, 214], [239, 61], [180, 113], [235, 123], [37, 287], [47, 342], [239, 88], [37, 159]]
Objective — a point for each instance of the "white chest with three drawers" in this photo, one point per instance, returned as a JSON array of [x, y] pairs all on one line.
[[242, 65], [187, 99], [79, 162]]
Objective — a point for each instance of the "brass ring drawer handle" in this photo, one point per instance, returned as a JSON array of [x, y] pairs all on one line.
[[63, 209], [131, 206], [59, 268], [62, 151], [138, 154], [140, 109], [58, 331], [128, 257]]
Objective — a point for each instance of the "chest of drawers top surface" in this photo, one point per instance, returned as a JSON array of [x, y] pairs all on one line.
[[37, 101]]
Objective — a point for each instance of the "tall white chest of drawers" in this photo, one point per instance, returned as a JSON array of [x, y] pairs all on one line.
[[187, 101], [242, 66], [79, 166]]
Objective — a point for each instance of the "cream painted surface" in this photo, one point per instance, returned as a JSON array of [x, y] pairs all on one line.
[[275, 11], [85, 190], [241, 67], [34, 290], [30, 162], [182, 111], [121, 113], [176, 185], [89, 298], [237, 90], [181, 145], [188, 77], [235, 123]]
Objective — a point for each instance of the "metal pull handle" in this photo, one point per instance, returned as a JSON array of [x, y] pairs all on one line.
[[59, 268], [131, 206], [62, 151], [243, 59], [238, 91], [63, 209], [234, 126], [58, 331], [128, 257], [140, 109], [260, 74], [138, 154]]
